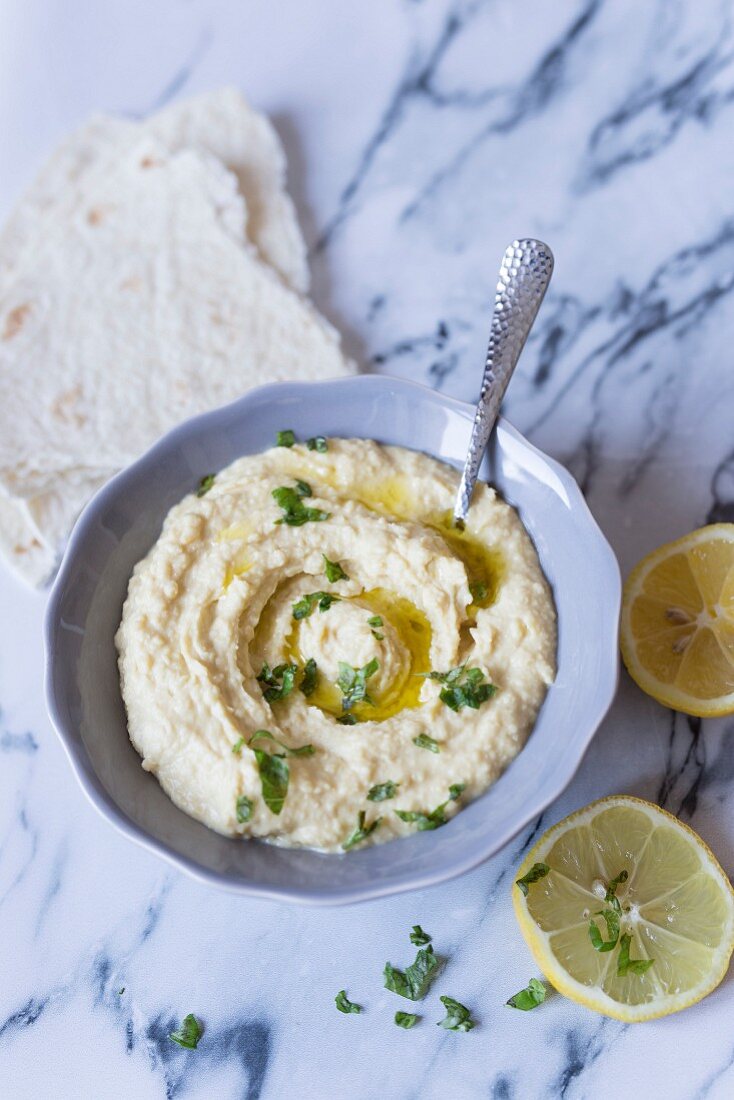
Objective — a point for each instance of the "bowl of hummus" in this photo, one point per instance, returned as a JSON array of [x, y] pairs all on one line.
[[273, 659]]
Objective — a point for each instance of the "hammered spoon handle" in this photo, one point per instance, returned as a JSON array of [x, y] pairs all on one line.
[[525, 273]]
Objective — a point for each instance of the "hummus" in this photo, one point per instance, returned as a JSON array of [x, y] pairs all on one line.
[[319, 594]]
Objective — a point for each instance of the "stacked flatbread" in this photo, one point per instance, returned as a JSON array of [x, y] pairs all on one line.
[[154, 270]]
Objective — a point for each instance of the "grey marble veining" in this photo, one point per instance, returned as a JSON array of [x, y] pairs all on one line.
[[422, 136]]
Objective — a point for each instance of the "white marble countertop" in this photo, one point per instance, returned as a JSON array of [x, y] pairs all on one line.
[[422, 137]]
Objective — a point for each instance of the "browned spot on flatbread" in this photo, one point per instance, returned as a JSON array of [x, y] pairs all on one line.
[[18, 549], [149, 162], [14, 320], [96, 215], [133, 283], [64, 407]]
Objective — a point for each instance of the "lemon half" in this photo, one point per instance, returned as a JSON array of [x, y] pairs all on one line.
[[677, 631], [677, 907]]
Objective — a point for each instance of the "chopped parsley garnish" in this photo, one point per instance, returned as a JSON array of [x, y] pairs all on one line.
[[274, 776], [436, 818], [611, 917], [344, 1004], [238, 746], [273, 769], [537, 871], [310, 678], [423, 741], [188, 1034], [285, 439], [244, 809], [406, 1019], [205, 484], [295, 512], [266, 735], [333, 570], [626, 965], [279, 681], [121, 991], [362, 831], [317, 443], [419, 937], [533, 995], [463, 687], [352, 683], [458, 1016], [478, 590], [375, 622], [347, 720], [323, 600], [382, 791], [413, 982]]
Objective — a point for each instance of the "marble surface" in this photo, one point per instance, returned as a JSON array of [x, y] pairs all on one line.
[[422, 137]]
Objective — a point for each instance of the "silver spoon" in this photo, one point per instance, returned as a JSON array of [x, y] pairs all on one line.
[[525, 273]]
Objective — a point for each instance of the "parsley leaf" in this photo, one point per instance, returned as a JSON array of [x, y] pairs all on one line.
[[347, 720], [406, 1019], [244, 809], [323, 600], [353, 683], [423, 741], [238, 746], [188, 1034], [611, 916], [304, 750], [419, 937], [612, 922], [436, 818], [274, 776], [626, 965], [537, 871], [374, 622], [310, 678], [285, 439], [458, 1016], [278, 681], [478, 590], [295, 513], [205, 484], [382, 791], [344, 1004], [533, 995], [317, 443], [413, 983], [333, 570], [463, 687], [362, 831]]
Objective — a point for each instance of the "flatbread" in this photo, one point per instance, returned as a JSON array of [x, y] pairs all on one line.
[[140, 304], [221, 123]]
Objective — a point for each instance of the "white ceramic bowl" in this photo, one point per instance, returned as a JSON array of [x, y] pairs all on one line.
[[123, 521]]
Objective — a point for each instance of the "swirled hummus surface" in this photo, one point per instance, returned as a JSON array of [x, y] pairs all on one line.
[[299, 664]]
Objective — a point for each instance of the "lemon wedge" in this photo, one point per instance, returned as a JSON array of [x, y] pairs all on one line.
[[674, 910], [677, 631]]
